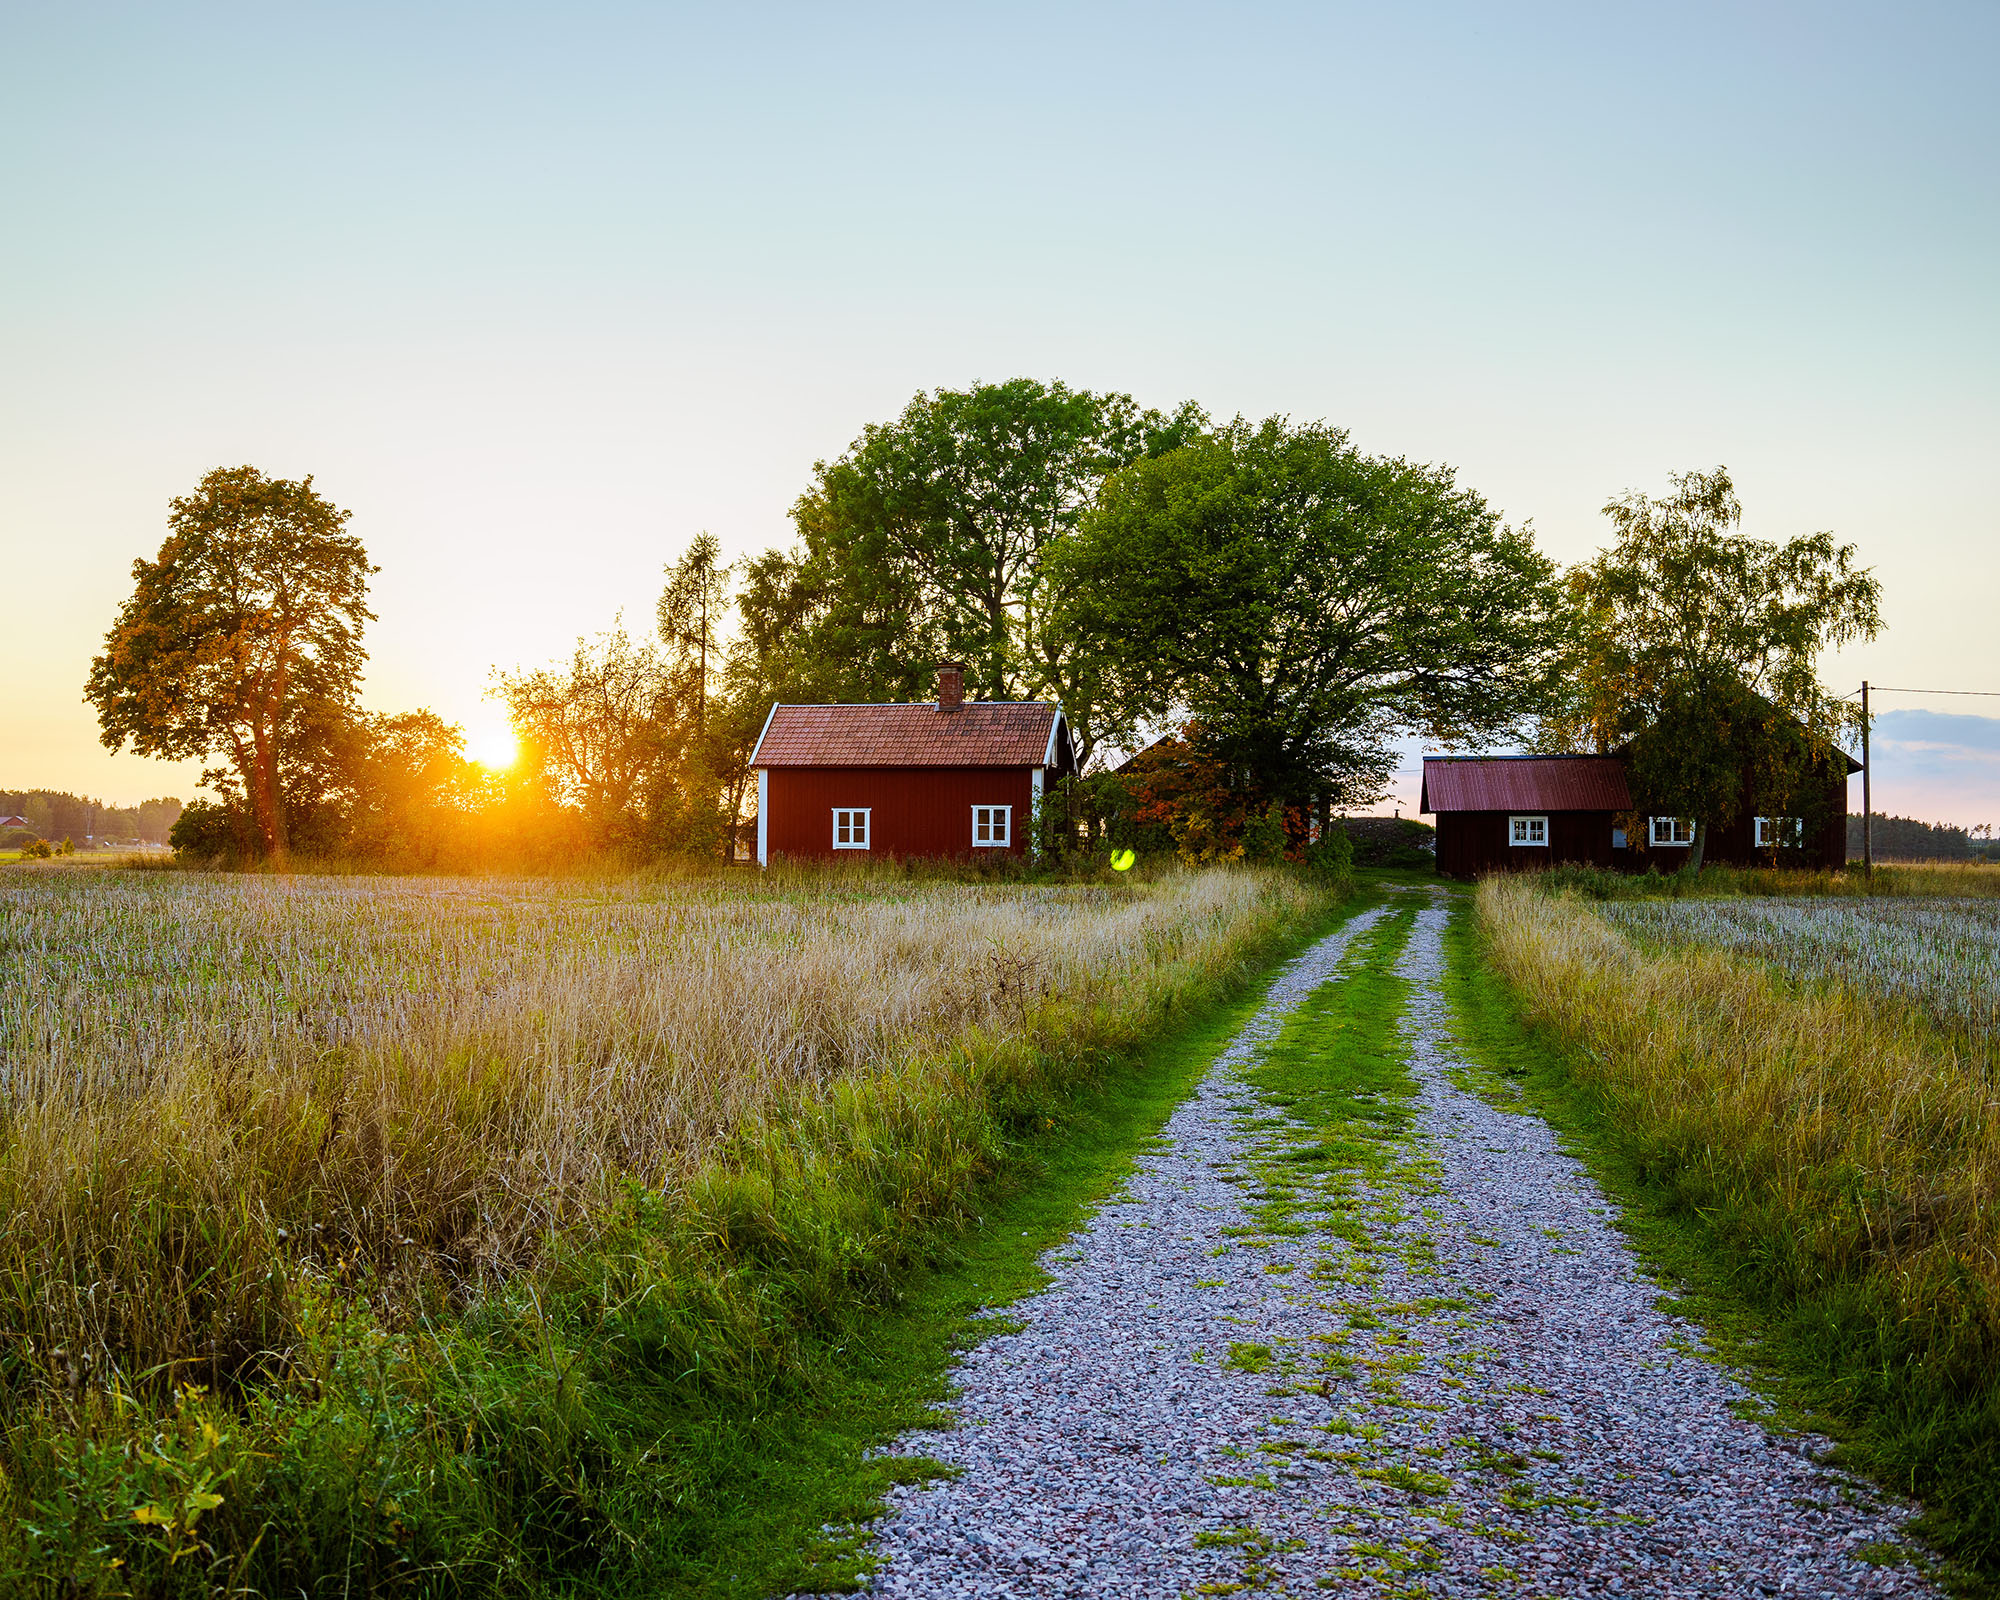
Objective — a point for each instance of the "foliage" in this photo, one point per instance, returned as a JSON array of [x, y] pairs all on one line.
[[1837, 1156], [1178, 796], [929, 539], [610, 733], [1390, 841], [249, 619], [1302, 601], [693, 611], [518, 1201], [1698, 646], [212, 833]]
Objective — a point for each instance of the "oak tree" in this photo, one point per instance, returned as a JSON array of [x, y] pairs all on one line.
[[1302, 602], [247, 621]]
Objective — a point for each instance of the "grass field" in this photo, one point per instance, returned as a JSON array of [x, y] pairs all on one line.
[[384, 1235], [1835, 1154]]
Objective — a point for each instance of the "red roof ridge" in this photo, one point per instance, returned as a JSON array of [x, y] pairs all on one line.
[[1524, 783]]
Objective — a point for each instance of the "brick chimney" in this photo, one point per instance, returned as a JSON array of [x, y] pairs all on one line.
[[951, 686]]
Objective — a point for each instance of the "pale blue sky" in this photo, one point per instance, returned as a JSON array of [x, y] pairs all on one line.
[[540, 291]]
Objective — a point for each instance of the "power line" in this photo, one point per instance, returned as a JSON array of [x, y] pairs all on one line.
[[1883, 688]]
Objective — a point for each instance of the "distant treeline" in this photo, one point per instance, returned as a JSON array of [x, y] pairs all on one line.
[[1906, 839], [52, 814]]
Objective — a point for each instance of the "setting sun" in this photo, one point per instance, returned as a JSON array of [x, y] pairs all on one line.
[[490, 741]]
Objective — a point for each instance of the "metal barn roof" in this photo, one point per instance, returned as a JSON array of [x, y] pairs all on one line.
[[979, 733], [1524, 783]]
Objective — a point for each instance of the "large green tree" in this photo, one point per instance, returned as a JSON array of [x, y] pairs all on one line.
[[1699, 647], [929, 540], [247, 623], [1302, 601]]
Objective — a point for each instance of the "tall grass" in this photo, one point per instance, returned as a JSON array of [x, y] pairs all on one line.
[[1842, 1157], [459, 1199]]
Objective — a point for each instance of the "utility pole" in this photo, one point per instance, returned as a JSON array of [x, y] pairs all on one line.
[[1867, 797]]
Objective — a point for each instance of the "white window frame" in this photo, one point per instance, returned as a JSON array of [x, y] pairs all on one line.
[[1793, 826], [1005, 836], [1523, 830], [1663, 831], [867, 827]]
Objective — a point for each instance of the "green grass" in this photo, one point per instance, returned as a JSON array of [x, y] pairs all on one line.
[[1821, 1354]]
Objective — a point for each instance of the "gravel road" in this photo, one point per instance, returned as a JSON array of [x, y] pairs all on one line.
[[1445, 1374]]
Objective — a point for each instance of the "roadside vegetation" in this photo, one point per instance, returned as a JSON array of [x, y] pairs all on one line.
[[1833, 1154], [445, 1236]]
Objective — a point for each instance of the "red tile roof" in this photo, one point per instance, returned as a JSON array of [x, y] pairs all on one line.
[[1524, 783], [981, 733]]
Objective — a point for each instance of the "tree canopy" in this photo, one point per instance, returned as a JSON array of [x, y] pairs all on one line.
[[928, 540], [1699, 646], [1302, 601], [249, 619]]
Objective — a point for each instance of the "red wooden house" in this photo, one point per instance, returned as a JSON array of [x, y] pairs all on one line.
[[954, 778], [1502, 813]]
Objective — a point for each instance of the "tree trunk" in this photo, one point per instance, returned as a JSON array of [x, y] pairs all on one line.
[[1700, 844], [256, 765]]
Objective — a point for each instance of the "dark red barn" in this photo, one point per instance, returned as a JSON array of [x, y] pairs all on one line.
[[1502, 813], [1499, 812], [955, 778]]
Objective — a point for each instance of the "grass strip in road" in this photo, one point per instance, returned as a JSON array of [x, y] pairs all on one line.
[[772, 1483], [1817, 1178]]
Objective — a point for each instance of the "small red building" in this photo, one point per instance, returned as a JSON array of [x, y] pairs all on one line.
[[1504, 813], [954, 778]]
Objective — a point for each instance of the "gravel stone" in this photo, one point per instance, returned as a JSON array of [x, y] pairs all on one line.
[[1519, 1415]]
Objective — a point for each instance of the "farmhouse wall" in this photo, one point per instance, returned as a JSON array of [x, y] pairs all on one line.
[[915, 811], [1472, 842]]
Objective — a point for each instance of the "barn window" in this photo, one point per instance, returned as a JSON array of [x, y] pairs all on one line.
[[1528, 830], [850, 828], [991, 826], [1673, 830], [1784, 832]]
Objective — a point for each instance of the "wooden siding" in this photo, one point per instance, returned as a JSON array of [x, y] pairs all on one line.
[[914, 811], [1736, 845], [1472, 842]]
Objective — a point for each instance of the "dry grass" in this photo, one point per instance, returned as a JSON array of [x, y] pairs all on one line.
[[213, 1084]]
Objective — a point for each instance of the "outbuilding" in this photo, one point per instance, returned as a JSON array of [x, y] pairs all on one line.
[[1505, 813], [951, 778], [1497, 813]]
